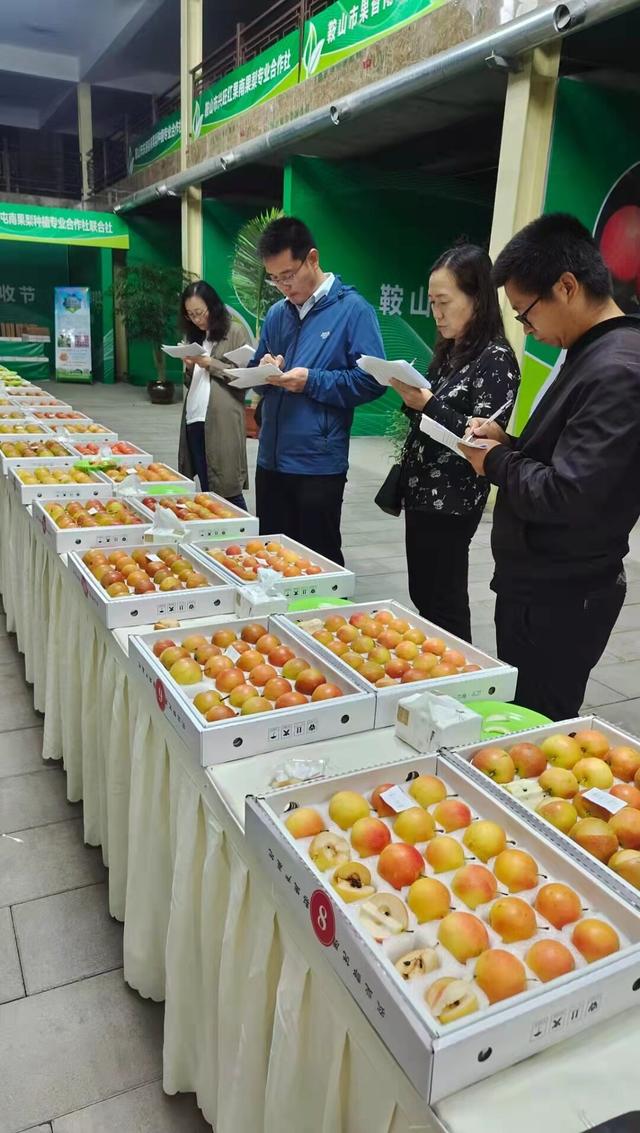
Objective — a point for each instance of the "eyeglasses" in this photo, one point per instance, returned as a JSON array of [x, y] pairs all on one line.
[[286, 277], [201, 314], [524, 317]]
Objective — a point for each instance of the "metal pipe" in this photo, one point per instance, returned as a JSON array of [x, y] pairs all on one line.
[[518, 36]]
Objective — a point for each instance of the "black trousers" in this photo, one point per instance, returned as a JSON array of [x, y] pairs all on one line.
[[555, 646], [198, 453], [306, 508], [438, 564]]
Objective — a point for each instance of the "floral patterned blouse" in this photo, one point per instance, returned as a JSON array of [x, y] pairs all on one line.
[[433, 478]]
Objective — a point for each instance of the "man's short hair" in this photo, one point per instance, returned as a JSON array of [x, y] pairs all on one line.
[[287, 233], [536, 257]]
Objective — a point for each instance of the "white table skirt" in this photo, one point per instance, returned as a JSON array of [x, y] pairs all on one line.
[[256, 1023]]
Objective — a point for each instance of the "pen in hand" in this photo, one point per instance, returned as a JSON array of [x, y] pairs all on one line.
[[494, 417]]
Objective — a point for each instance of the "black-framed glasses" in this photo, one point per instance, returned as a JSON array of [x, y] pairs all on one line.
[[524, 317], [287, 277]]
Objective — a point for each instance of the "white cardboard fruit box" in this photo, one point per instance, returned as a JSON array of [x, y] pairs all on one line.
[[333, 581], [493, 681], [144, 609], [462, 757], [178, 484], [243, 736], [81, 538], [61, 429], [241, 523], [442, 1058], [138, 455], [7, 462], [27, 493]]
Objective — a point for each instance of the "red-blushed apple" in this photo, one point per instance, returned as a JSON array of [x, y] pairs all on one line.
[[371, 671], [418, 963], [354, 660], [626, 863], [485, 839], [429, 899], [513, 919], [496, 763], [304, 822], [276, 688], [561, 813], [256, 704], [338, 648], [384, 915], [434, 645], [389, 639], [427, 790], [290, 699], [193, 642], [240, 693], [413, 675], [249, 660], [463, 935], [528, 760], [586, 808], [561, 751], [592, 743], [444, 854], [253, 632], [203, 654], [595, 939], [414, 825], [443, 670], [425, 663], [217, 664], [415, 635], [347, 634], [474, 885], [626, 827], [174, 653], [293, 667], [400, 626], [358, 619], [500, 974], [407, 651], [385, 617], [280, 655], [352, 880], [627, 793], [381, 807], [472, 668], [450, 999], [454, 657], [346, 807], [206, 700], [362, 644], [262, 674], [396, 668], [516, 869], [559, 782], [624, 763], [333, 622], [591, 772], [160, 646], [219, 712], [369, 836], [596, 837], [549, 959], [328, 851], [267, 643], [452, 814], [558, 904], [400, 865], [186, 671], [227, 679], [326, 691]]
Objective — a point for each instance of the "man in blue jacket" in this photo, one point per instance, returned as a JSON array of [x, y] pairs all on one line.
[[315, 335]]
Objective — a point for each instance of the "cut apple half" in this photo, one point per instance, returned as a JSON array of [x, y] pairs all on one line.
[[328, 851], [353, 882], [417, 963], [384, 915], [450, 999]]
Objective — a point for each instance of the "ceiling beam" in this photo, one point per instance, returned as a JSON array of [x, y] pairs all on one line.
[[44, 64], [116, 34]]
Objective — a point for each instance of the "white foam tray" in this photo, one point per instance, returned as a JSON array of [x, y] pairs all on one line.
[[81, 538], [241, 524], [335, 581]]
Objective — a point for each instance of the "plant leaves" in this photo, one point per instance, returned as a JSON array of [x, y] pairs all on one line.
[[198, 119], [315, 57], [248, 276], [310, 47], [147, 297]]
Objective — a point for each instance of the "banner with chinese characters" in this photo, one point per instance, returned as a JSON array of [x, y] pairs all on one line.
[[73, 334], [161, 139], [342, 29], [266, 76], [62, 226]]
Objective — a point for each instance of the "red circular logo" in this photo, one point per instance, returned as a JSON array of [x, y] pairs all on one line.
[[161, 695], [322, 917]]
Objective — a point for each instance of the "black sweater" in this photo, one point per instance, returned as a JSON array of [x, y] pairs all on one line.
[[570, 484]]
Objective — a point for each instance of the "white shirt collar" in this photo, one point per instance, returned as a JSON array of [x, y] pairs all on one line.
[[323, 289]]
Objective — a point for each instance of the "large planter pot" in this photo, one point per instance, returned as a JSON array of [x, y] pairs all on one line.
[[160, 393]]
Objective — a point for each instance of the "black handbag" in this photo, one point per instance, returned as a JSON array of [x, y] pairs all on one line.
[[390, 495]]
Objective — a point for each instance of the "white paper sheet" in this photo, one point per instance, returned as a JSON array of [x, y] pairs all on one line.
[[184, 350], [242, 356], [384, 369], [445, 437], [254, 376]]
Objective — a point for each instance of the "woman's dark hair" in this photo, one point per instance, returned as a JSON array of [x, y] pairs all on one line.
[[471, 268], [219, 317]]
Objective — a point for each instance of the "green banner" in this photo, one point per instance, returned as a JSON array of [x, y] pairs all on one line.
[[61, 226], [342, 29], [266, 76], [163, 138]]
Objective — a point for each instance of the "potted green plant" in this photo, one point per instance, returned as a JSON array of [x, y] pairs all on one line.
[[148, 297]]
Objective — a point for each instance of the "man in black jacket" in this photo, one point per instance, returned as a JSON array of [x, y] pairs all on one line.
[[569, 485]]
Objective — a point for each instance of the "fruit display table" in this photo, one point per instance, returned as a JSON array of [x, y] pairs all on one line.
[[256, 1023]]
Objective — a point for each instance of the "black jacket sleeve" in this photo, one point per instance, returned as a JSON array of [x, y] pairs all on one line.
[[598, 447]]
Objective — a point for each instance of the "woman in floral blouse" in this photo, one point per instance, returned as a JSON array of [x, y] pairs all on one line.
[[473, 372]]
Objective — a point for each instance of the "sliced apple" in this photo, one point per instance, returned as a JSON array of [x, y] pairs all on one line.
[[450, 999], [328, 851], [417, 963], [384, 915], [353, 882]]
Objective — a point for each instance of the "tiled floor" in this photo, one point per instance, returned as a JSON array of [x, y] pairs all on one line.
[[79, 1051]]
